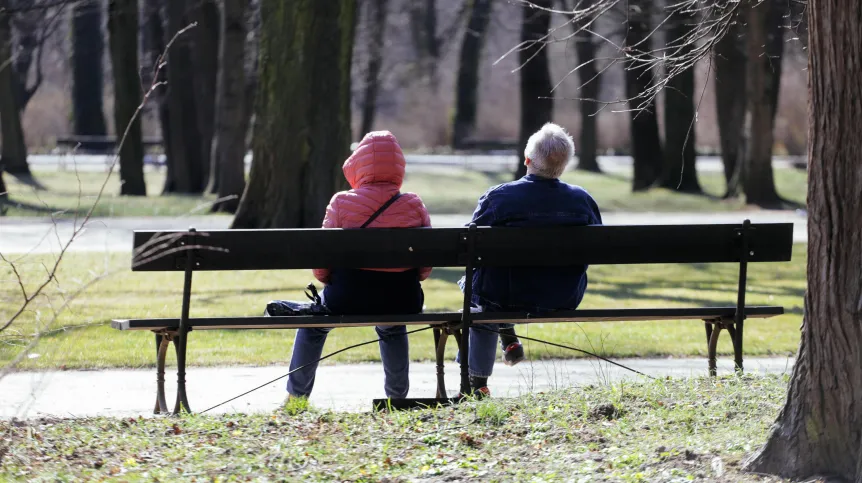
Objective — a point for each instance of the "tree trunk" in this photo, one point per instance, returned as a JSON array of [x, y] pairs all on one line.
[[231, 123], [646, 144], [87, 71], [423, 27], [28, 28], [302, 127], [205, 59], [817, 431], [185, 138], [467, 89], [680, 171], [123, 31], [730, 67], [4, 196], [376, 19], [13, 157], [590, 85], [154, 40], [537, 107], [761, 95]]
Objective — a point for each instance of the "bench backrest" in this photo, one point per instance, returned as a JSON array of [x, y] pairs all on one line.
[[452, 247]]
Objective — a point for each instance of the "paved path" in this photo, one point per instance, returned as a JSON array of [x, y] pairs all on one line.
[[26, 234], [348, 387]]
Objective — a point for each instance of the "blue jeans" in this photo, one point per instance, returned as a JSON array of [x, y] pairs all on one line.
[[308, 347], [483, 349], [353, 292]]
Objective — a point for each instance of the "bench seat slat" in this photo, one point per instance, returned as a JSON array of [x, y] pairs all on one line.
[[439, 318]]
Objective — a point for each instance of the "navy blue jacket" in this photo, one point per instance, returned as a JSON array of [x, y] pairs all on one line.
[[533, 201]]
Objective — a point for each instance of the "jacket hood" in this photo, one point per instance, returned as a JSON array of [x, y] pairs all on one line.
[[378, 159]]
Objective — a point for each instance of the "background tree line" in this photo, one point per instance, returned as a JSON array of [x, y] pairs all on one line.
[[410, 55]]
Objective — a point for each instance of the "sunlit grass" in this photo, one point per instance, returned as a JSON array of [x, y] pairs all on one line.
[[124, 294], [444, 192]]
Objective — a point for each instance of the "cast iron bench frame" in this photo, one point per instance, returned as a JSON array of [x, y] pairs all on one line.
[[470, 247]]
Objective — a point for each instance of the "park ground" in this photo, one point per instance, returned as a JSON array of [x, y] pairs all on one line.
[[81, 337], [673, 430], [444, 191]]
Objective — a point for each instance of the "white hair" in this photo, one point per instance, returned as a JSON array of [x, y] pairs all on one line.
[[549, 150]]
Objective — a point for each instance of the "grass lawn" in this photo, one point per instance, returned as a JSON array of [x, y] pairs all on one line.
[[662, 431], [83, 338], [443, 192]]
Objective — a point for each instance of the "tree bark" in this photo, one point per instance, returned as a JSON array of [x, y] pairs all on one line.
[[205, 60], [467, 89], [817, 431], [185, 137], [680, 170], [730, 68], [423, 27], [29, 28], [13, 156], [646, 144], [123, 32], [231, 123], [302, 126], [376, 19], [153, 39], [4, 196], [590, 80], [87, 70], [764, 27], [537, 107]]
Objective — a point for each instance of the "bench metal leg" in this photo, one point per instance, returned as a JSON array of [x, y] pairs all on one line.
[[713, 332], [182, 403], [162, 343], [440, 336], [735, 331]]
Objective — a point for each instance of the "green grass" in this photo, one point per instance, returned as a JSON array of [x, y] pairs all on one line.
[[68, 193], [443, 192], [663, 431], [82, 337]]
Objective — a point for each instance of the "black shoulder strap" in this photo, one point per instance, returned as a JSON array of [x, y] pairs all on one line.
[[381, 210]]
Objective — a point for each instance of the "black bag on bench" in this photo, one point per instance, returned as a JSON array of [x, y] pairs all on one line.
[[282, 308]]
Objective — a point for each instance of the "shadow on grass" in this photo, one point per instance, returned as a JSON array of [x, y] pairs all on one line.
[[42, 209]]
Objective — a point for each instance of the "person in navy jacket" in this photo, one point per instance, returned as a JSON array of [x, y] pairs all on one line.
[[537, 199]]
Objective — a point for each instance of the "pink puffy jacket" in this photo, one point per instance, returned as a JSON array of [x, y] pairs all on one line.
[[375, 171]]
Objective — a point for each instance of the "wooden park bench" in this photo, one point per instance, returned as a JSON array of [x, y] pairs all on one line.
[[467, 248]]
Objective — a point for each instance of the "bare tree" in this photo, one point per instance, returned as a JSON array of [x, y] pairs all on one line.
[[646, 144], [231, 121], [467, 89], [817, 431], [123, 32], [589, 77], [763, 30], [185, 164], [30, 30], [679, 171], [376, 18], [423, 27], [537, 106], [153, 46], [87, 71], [205, 45], [730, 67], [13, 157], [302, 126]]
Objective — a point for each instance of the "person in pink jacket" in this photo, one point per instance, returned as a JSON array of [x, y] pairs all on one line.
[[375, 172]]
